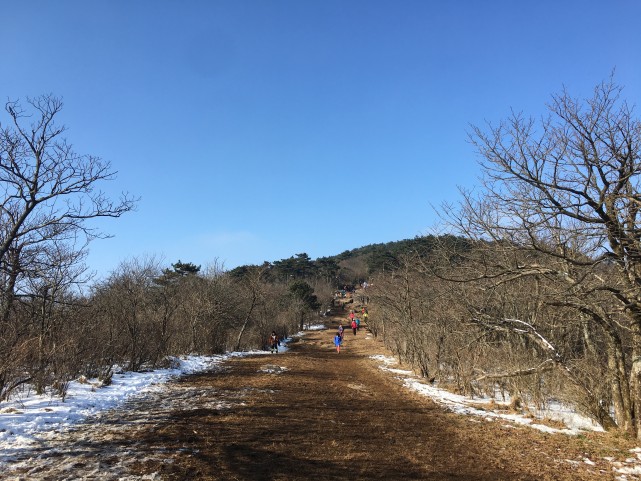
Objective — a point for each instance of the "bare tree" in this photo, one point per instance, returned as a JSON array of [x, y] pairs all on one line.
[[48, 192], [131, 295], [251, 291], [561, 199]]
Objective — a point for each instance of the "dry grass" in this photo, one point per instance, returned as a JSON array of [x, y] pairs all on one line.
[[336, 416]]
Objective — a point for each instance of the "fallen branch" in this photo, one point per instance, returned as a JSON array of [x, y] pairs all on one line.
[[545, 366]]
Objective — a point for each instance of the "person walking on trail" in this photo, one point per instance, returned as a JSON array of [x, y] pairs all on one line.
[[273, 342], [358, 323], [351, 315], [341, 330], [365, 316], [338, 340], [354, 326]]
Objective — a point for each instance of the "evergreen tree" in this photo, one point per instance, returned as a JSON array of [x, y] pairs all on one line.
[[304, 293]]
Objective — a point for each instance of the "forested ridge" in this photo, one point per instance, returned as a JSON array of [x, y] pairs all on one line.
[[530, 291]]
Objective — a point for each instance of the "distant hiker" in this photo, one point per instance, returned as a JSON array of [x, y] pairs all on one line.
[[351, 315], [358, 323], [354, 326], [365, 316], [338, 340], [341, 330], [273, 342]]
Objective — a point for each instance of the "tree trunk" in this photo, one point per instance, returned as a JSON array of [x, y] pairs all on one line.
[[246, 321], [241, 332], [635, 378], [618, 384], [194, 333]]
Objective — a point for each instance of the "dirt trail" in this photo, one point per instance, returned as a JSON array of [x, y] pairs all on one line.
[[307, 414]]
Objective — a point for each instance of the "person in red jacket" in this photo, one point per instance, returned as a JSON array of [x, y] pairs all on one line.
[[354, 326], [273, 342]]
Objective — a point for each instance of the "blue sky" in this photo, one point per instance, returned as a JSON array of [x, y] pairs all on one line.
[[253, 130]]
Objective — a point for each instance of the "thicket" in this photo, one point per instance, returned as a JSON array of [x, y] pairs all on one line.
[[141, 317], [542, 302]]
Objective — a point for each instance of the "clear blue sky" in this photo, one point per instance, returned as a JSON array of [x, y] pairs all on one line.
[[253, 130]]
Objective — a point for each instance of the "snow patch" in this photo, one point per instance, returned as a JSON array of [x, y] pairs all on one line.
[[272, 369], [28, 414], [464, 405]]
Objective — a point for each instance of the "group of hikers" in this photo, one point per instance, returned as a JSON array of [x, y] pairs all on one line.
[[354, 323]]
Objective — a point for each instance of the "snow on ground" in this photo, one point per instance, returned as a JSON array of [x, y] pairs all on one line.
[[464, 405], [28, 414], [313, 327]]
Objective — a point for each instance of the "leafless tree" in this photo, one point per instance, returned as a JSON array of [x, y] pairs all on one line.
[[560, 206], [129, 295], [252, 295], [48, 192]]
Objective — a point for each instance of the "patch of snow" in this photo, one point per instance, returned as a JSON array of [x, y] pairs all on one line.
[[272, 369], [28, 414], [402, 372], [316, 327], [464, 405], [636, 470]]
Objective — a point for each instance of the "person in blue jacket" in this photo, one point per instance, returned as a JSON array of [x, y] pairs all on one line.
[[338, 340]]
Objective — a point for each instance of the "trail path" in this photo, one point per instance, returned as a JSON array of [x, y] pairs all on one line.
[[310, 413]]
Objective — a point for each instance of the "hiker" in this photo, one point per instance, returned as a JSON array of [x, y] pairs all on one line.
[[365, 316], [273, 342], [354, 326], [351, 315], [358, 323], [341, 330], [338, 340]]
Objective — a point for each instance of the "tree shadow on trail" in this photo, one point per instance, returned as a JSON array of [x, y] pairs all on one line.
[[248, 463], [245, 462]]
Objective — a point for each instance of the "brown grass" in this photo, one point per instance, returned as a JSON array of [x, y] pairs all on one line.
[[337, 416]]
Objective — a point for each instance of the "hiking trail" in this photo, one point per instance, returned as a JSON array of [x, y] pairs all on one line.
[[309, 413]]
